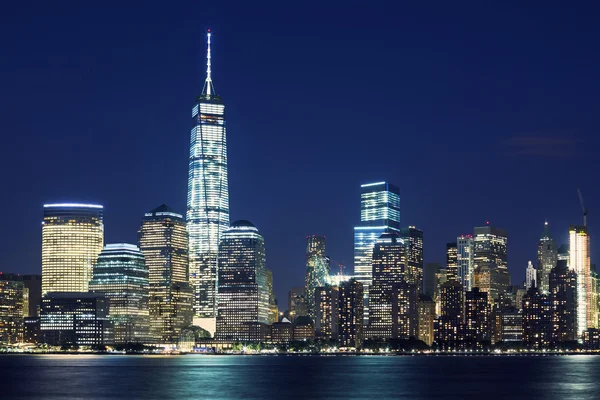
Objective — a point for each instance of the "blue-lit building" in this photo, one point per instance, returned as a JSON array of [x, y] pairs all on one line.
[[208, 197], [243, 296], [379, 213], [122, 276]]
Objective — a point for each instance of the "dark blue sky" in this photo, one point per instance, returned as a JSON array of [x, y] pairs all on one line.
[[486, 111]]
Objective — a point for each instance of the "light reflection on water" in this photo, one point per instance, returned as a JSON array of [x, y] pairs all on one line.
[[298, 377]]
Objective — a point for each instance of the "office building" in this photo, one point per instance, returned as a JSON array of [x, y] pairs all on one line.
[[72, 238], [31, 330], [297, 303], [512, 325], [537, 319], [379, 213], [243, 298], [303, 329], [389, 270], [562, 285], [33, 283], [13, 307], [208, 197], [530, 276], [121, 275], [547, 258], [351, 313], [326, 312], [478, 324], [426, 319], [317, 269], [429, 278], [75, 319], [273, 308], [452, 262], [448, 326], [405, 311], [413, 241], [163, 241], [490, 261], [579, 261], [464, 259]]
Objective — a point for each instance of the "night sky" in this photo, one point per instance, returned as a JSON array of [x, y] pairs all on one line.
[[481, 112]]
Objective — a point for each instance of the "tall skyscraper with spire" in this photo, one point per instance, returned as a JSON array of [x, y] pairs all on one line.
[[208, 197]]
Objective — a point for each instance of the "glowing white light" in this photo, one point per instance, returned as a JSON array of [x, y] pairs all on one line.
[[73, 205], [372, 184]]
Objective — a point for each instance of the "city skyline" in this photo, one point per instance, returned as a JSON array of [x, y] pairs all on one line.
[[253, 198]]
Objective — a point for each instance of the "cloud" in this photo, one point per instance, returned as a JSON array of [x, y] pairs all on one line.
[[548, 147]]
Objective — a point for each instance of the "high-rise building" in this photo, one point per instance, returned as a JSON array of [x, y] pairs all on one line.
[[413, 241], [452, 262], [477, 326], [512, 325], [579, 261], [121, 275], [297, 303], [208, 197], [33, 283], [537, 319], [389, 270], [547, 258], [13, 308], [379, 213], [490, 261], [326, 312], [405, 311], [72, 238], [429, 280], [426, 312], [317, 269], [464, 259], [563, 253], [273, 309], [75, 318], [563, 295], [243, 298], [351, 313], [448, 327], [163, 240], [530, 276]]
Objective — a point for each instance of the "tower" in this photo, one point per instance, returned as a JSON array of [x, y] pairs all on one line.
[[490, 260], [379, 213], [72, 238], [243, 295], [547, 258], [317, 270], [579, 261], [208, 196], [163, 241]]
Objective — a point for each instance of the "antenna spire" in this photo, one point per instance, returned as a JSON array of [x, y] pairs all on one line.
[[208, 86]]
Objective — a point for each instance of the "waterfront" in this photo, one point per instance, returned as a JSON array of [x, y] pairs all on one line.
[[299, 377]]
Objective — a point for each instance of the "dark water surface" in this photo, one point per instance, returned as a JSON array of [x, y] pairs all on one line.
[[298, 377]]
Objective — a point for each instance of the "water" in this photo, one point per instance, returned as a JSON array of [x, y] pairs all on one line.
[[298, 377]]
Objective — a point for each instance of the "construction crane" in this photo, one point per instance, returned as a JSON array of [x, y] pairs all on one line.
[[583, 209]]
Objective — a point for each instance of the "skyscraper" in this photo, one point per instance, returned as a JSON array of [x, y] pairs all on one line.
[[164, 242], [530, 276], [491, 268], [477, 316], [452, 262], [208, 197], [379, 213], [326, 312], [72, 238], [389, 271], [579, 261], [413, 242], [317, 269], [273, 309], [243, 298], [563, 294], [426, 311], [464, 259], [351, 313], [297, 303], [121, 276], [537, 319], [547, 258], [13, 308]]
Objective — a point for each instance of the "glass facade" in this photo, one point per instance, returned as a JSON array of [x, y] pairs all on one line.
[[351, 313], [464, 260], [547, 259], [317, 270], [379, 213], [413, 242], [72, 238], [243, 295], [490, 261], [121, 276], [13, 308], [579, 261], [163, 241], [208, 195], [452, 261]]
